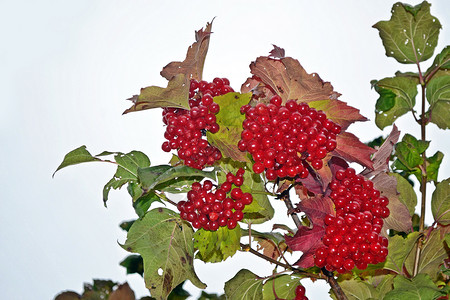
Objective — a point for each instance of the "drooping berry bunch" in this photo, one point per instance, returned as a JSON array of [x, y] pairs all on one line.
[[300, 293], [186, 128], [282, 139], [210, 209], [352, 237]]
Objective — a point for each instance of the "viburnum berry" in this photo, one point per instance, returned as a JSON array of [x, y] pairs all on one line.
[[300, 292], [186, 129], [286, 141], [209, 209], [352, 236]]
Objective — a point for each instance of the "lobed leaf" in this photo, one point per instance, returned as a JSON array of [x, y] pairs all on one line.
[[352, 149], [165, 243], [176, 94], [409, 151], [356, 289], [411, 35], [388, 107], [217, 246], [440, 202], [420, 287], [192, 66], [230, 121], [438, 95], [398, 250], [245, 285]]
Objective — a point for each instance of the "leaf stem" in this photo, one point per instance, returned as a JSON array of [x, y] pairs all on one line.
[[284, 196]]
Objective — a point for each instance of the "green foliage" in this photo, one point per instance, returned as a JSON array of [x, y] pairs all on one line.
[[133, 264], [399, 249], [284, 287], [356, 289], [440, 202], [438, 95], [407, 194], [245, 285], [419, 287], [217, 246]]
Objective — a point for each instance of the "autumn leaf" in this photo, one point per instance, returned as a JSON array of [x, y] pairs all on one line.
[[308, 239], [192, 66], [339, 112], [350, 148], [277, 52]]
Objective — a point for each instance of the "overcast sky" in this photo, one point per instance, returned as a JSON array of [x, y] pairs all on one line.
[[66, 68]]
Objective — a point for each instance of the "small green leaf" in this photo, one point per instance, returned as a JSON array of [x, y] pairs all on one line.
[[440, 202], [441, 61], [283, 285], [230, 121], [176, 94], [356, 289], [411, 34], [217, 246], [420, 287], [133, 264], [397, 97], [165, 243], [398, 250], [409, 151], [245, 285], [407, 194], [76, 156], [143, 204], [438, 95], [433, 164]]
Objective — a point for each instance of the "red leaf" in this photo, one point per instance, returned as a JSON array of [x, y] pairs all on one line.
[[192, 66], [307, 239], [277, 52], [352, 149], [339, 112]]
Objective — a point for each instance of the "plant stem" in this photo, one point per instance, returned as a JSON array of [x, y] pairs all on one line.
[[287, 201]]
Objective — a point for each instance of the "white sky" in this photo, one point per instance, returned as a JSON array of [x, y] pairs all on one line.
[[67, 68]]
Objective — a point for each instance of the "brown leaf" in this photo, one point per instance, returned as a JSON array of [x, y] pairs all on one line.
[[123, 292], [269, 248], [381, 157], [352, 149], [192, 66], [277, 52], [287, 78], [176, 94], [68, 295], [399, 219]]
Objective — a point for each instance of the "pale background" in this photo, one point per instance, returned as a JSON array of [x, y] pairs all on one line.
[[66, 68]]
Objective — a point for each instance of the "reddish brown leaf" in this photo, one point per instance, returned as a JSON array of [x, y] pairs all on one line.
[[192, 66], [277, 52], [269, 248], [352, 149], [381, 157], [339, 112], [306, 239], [123, 292], [399, 219]]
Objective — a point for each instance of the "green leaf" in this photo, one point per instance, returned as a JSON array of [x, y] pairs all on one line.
[[127, 169], [230, 121], [433, 164], [244, 286], [208, 296], [143, 204], [432, 255], [165, 243], [441, 61], [356, 289], [407, 194], [411, 34], [152, 177], [409, 151], [176, 94], [217, 246], [133, 264], [77, 156], [179, 293], [397, 97], [438, 95], [420, 287], [440, 202], [398, 250], [386, 285], [260, 210], [284, 286]]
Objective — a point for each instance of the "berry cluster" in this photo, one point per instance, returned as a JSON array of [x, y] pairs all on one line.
[[210, 210], [352, 237], [300, 293], [186, 128], [282, 138]]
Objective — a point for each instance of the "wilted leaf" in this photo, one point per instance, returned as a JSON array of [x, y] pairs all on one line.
[[388, 107], [76, 156], [277, 52], [283, 285], [307, 239], [272, 243], [440, 202], [230, 121], [438, 95], [398, 250], [352, 149], [399, 218], [245, 285], [192, 66], [165, 243], [217, 246], [420, 287], [411, 34], [339, 112], [176, 94]]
